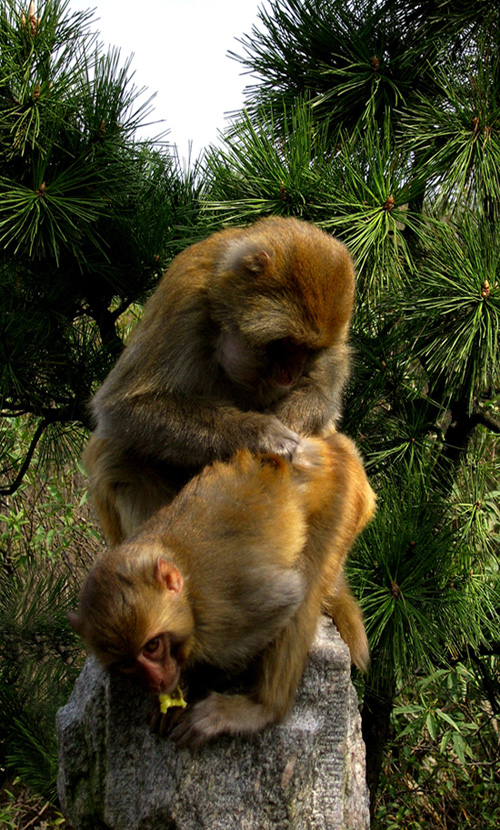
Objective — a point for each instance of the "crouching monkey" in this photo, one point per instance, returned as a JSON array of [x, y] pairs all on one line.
[[243, 344], [235, 568]]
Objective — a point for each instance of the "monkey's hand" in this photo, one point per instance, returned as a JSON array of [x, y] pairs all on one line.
[[218, 714], [277, 438], [203, 721]]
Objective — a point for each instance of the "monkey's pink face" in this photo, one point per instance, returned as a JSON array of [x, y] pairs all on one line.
[[279, 364], [286, 361], [157, 666]]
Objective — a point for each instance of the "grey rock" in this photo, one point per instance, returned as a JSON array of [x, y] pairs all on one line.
[[307, 773]]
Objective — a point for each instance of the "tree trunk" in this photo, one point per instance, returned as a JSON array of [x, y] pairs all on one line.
[[375, 723]]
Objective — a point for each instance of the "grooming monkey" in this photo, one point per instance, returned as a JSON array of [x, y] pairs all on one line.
[[243, 344], [235, 568]]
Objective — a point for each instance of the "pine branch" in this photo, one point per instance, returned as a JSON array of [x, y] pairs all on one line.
[[487, 420], [73, 412], [9, 491], [462, 426]]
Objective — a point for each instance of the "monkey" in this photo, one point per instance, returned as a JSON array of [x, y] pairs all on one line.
[[234, 569], [243, 344]]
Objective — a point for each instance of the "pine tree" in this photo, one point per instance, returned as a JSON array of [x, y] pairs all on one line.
[[89, 216], [381, 123]]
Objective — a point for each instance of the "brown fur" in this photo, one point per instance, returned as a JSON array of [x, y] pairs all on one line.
[[258, 542], [205, 374]]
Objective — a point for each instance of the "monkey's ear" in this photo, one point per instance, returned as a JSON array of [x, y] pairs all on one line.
[[168, 576], [247, 257], [257, 263], [74, 621]]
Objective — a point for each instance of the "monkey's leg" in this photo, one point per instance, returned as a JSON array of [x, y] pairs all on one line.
[[282, 666], [125, 494], [342, 607]]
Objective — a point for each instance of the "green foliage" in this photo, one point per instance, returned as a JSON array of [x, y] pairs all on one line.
[[441, 767], [47, 541], [355, 60], [373, 208], [21, 808], [38, 668], [380, 122], [456, 308], [89, 215], [263, 168], [352, 59], [426, 569], [459, 142]]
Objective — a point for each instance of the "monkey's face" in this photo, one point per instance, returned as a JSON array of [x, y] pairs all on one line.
[[136, 621], [285, 361], [158, 664], [271, 369]]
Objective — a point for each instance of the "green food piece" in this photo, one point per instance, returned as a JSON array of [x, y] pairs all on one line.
[[175, 699]]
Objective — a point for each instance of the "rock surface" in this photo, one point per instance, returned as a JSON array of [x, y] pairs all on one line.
[[307, 773]]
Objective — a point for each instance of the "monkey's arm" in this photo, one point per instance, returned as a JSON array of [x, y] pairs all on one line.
[[314, 405], [282, 667], [189, 431]]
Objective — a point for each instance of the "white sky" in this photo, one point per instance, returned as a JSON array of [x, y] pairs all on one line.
[[180, 52]]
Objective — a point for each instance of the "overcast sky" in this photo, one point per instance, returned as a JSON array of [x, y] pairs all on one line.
[[180, 52]]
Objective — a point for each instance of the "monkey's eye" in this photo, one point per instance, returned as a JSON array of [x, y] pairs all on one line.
[[153, 647]]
